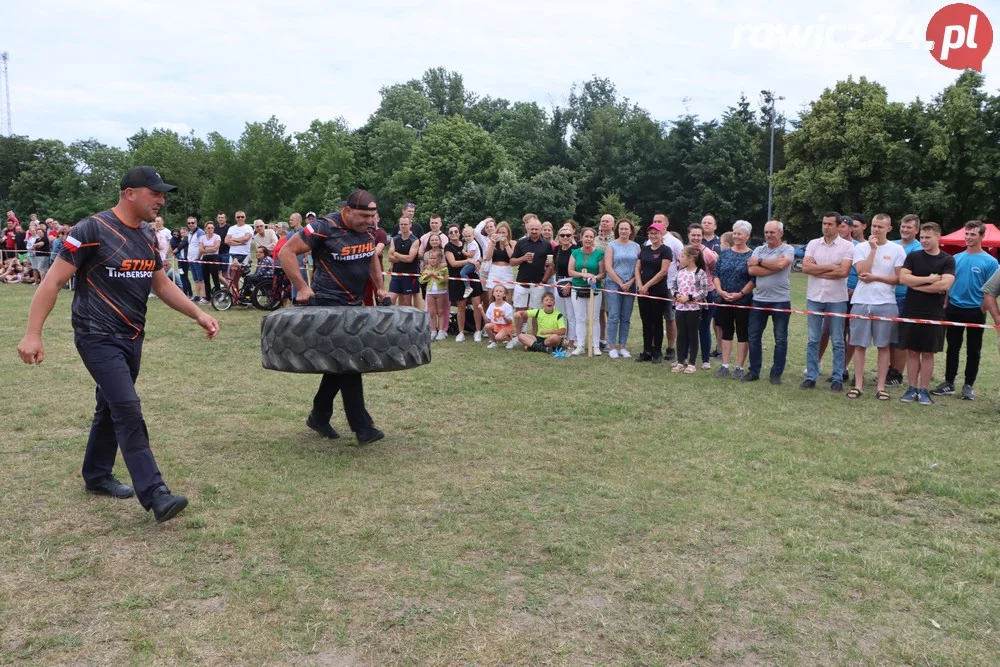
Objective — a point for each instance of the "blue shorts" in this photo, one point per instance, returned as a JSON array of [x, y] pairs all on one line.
[[195, 269], [403, 285]]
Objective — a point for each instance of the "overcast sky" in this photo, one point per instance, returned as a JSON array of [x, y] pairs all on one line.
[[105, 68]]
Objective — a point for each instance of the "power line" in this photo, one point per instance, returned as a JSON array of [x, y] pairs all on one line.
[[5, 96]]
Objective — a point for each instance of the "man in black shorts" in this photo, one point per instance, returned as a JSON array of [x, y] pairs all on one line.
[[344, 260], [403, 258], [114, 256], [928, 275]]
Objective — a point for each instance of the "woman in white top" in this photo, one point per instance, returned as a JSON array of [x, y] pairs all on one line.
[[209, 254]]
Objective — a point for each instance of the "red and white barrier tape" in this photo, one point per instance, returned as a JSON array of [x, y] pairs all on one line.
[[794, 311]]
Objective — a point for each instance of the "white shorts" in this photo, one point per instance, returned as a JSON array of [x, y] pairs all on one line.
[[528, 297], [500, 275]]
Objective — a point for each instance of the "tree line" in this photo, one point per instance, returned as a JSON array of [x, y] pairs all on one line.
[[435, 143]]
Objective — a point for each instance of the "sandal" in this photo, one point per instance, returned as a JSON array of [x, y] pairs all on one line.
[[690, 369], [882, 395], [677, 368], [855, 393]]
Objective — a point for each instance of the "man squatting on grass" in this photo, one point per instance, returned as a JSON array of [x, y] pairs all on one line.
[[114, 256]]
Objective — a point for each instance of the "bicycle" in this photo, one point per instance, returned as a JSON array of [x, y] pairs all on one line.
[[271, 294], [238, 291]]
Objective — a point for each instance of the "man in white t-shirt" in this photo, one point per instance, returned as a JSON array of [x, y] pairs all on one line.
[[238, 238], [669, 315], [195, 234], [162, 239], [878, 262]]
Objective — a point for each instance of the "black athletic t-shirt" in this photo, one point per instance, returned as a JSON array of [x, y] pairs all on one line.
[[650, 263], [222, 231], [458, 250], [921, 304], [561, 261], [533, 271], [403, 247], [42, 246], [342, 259], [114, 268], [19, 240]]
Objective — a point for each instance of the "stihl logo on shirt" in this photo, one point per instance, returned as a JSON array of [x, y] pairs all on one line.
[[357, 251], [133, 268]]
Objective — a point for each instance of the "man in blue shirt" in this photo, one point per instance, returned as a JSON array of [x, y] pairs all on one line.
[[972, 269], [909, 226]]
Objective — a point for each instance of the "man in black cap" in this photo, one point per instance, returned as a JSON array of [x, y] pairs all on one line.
[[344, 260], [114, 256]]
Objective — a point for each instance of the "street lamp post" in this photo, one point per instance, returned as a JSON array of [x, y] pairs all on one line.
[[770, 167], [420, 133]]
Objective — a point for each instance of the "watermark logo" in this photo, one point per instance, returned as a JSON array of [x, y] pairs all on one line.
[[960, 37]]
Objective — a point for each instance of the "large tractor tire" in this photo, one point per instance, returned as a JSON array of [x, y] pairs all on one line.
[[341, 339]]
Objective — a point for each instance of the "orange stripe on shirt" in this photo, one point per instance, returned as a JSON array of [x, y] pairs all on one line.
[[347, 291], [115, 308]]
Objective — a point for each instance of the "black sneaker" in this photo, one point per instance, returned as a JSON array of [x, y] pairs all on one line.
[[894, 378], [645, 356], [324, 430], [944, 389], [670, 355], [967, 393], [369, 435], [738, 374], [750, 377], [722, 372], [657, 357], [715, 354], [776, 379], [837, 386], [109, 486], [166, 505], [808, 384]]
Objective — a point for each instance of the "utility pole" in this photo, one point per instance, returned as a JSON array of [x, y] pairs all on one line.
[[5, 96], [420, 132], [769, 97]]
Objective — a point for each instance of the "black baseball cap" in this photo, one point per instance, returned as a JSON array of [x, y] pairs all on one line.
[[145, 177], [361, 200], [857, 217], [846, 218]]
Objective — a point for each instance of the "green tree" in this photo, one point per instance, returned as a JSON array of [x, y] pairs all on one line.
[[838, 158], [730, 183], [446, 91], [960, 177], [326, 156], [452, 153], [182, 160]]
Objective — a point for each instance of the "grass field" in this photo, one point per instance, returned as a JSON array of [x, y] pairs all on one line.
[[521, 510]]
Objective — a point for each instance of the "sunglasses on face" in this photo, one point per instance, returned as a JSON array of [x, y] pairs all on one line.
[[565, 236]]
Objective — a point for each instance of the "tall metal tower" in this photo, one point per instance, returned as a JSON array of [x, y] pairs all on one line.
[[4, 96]]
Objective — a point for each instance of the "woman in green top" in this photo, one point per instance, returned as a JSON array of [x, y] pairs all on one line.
[[586, 268]]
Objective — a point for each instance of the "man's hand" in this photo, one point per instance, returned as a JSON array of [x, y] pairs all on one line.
[[304, 295], [32, 351], [208, 323], [866, 277], [381, 294]]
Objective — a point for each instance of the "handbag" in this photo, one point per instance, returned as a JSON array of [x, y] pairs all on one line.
[[582, 292]]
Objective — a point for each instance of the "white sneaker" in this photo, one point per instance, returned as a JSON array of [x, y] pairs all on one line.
[[477, 337], [578, 351], [442, 335], [613, 353], [511, 344], [460, 338], [491, 346], [623, 353], [597, 351], [706, 366]]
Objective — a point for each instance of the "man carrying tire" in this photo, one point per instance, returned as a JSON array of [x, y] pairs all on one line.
[[114, 257], [345, 260]]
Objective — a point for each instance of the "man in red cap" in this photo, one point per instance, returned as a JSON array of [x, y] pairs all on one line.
[[345, 259]]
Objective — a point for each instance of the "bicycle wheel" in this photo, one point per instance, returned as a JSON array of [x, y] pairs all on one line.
[[222, 299], [262, 297]]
